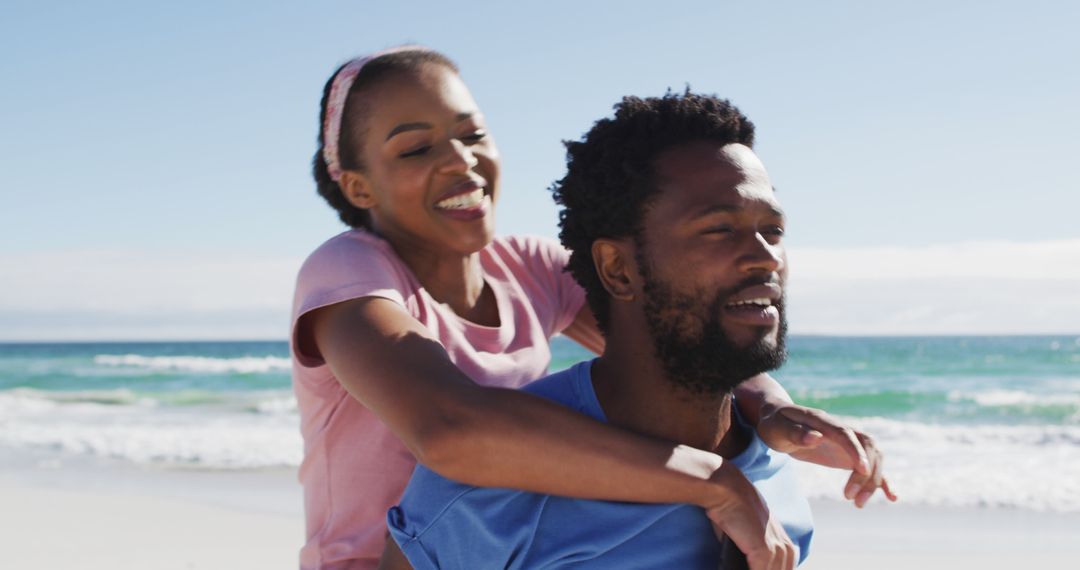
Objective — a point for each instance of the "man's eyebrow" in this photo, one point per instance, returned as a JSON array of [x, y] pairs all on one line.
[[729, 209], [714, 209]]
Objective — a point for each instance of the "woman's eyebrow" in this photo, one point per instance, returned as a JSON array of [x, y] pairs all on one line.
[[407, 127], [404, 127]]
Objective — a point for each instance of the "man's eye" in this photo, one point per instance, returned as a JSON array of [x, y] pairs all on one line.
[[774, 231], [415, 152], [720, 230], [474, 137]]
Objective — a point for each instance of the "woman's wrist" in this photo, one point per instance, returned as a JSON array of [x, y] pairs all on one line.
[[727, 489], [758, 396], [717, 483]]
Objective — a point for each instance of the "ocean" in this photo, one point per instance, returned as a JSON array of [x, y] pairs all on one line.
[[964, 421]]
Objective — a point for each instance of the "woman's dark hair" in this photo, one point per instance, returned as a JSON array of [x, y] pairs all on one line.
[[611, 179], [353, 119]]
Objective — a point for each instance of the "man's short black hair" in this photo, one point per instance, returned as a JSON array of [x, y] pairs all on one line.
[[611, 180]]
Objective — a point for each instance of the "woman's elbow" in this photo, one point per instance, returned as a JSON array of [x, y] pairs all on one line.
[[448, 443]]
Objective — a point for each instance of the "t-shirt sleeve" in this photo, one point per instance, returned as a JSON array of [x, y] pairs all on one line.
[[349, 266], [556, 296], [444, 524]]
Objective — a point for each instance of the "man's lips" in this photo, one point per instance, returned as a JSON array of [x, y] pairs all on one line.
[[755, 305]]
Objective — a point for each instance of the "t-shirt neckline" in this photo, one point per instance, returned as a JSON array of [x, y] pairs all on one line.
[[583, 386]]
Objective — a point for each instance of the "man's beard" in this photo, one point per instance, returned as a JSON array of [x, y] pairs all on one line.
[[690, 343]]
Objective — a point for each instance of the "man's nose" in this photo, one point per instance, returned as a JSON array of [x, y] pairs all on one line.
[[760, 256]]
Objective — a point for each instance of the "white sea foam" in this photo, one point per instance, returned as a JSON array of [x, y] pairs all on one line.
[[1022, 466], [1031, 467], [1000, 398], [275, 405], [179, 436], [202, 364]]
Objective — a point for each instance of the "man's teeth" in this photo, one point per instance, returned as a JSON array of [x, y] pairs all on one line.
[[462, 201], [763, 302]]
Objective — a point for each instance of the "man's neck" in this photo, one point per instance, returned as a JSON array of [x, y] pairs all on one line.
[[635, 394]]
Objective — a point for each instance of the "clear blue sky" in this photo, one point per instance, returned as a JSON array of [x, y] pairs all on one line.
[[188, 127]]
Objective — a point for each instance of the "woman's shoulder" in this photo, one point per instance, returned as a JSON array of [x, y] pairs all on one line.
[[354, 245], [529, 249], [354, 239], [355, 259]]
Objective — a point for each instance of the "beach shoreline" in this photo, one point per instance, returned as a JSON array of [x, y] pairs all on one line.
[[95, 515]]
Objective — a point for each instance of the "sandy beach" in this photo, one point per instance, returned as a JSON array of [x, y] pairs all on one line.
[[89, 514], [904, 537], [92, 515], [53, 528]]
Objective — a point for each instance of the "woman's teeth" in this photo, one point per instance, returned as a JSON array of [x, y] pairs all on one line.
[[462, 201]]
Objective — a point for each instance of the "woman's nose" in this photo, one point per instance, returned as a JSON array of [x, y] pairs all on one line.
[[460, 157]]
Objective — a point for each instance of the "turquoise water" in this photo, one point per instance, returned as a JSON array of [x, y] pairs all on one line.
[[968, 380], [964, 420], [1008, 380]]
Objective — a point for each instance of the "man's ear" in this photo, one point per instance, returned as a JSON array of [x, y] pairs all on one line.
[[357, 189], [614, 263]]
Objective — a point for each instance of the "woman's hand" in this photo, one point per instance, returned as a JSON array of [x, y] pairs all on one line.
[[813, 435], [739, 513]]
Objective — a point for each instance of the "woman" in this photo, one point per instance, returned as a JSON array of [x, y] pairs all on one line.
[[408, 329]]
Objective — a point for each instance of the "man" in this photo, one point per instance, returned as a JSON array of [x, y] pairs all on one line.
[[677, 239]]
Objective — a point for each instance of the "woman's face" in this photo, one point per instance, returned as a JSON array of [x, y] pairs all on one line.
[[431, 170]]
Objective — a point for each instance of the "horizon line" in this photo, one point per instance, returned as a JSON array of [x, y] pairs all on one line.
[[9, 342]]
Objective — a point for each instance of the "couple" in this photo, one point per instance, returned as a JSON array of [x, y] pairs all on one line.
[[400, 323]]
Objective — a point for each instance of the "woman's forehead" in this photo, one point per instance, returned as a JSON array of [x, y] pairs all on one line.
[[431, 92]]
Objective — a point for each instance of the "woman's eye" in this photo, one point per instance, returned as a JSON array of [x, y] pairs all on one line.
[[416, 151]]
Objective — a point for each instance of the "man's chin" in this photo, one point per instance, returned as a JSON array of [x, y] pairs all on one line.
[[754, 338]]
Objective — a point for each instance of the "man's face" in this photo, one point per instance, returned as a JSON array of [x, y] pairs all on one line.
[[713, 266]]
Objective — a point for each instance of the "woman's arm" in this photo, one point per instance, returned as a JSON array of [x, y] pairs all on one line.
[[506, 438], [805, 433]]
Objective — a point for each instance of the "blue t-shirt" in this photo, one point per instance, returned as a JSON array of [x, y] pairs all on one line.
[[444, 524]]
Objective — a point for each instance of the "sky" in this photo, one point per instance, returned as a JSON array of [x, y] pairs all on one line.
[[155, 157]]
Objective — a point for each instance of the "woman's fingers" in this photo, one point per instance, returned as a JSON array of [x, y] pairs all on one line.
[[860, 488], [832, 430], [887, 489]]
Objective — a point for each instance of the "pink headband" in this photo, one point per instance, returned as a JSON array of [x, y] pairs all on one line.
[[335, 105]]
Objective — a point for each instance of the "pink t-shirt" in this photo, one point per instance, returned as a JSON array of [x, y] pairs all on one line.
[[354, 468]]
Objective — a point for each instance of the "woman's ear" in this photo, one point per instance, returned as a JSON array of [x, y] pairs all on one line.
[[357, 189], [614, 263]]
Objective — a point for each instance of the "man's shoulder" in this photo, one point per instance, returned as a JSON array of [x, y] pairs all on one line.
[[427, 488], [433, 505], [571, 388]]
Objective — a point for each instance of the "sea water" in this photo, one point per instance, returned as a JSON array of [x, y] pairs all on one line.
[[963, 421]]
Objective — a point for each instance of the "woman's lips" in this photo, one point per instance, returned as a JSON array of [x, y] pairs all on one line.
[[467, 200], [462, 201], [466, 207]]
